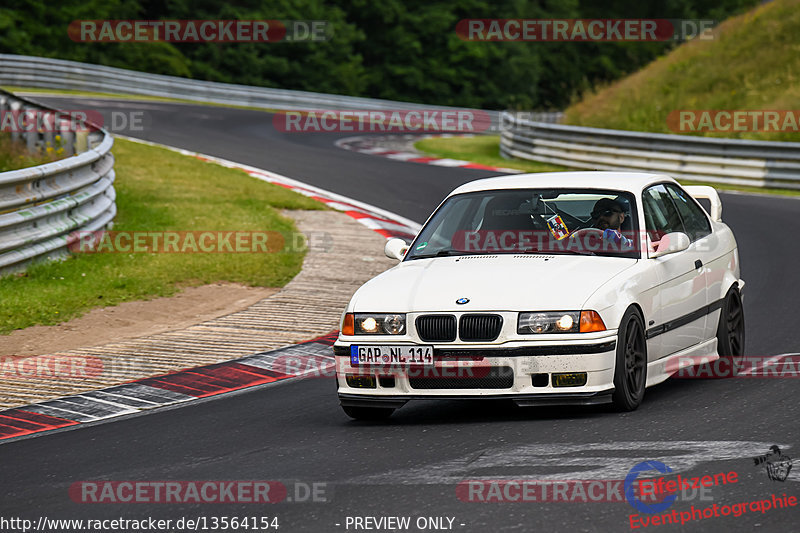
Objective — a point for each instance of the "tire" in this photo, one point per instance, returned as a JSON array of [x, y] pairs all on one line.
[[367, 413], [730, 331], [630, 370]]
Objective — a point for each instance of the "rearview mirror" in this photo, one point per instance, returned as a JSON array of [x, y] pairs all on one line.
[[395, 249], [671, 243]]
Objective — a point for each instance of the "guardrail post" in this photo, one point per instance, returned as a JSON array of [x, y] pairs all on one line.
[[67, 137], [48, 126], [16, 108], [81, 141], [31, 129]]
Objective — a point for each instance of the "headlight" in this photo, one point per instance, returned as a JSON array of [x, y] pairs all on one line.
[[551, 322], [559, 322], [380, 324]]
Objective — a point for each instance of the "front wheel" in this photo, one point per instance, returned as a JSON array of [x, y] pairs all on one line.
[[630, 371], [367, 413]]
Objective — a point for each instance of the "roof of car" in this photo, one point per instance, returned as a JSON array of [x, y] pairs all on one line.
[[625, 181]]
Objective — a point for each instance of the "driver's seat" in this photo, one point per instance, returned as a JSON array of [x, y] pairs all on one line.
[[503, 213]]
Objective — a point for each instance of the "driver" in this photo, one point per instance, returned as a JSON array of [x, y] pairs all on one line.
[[608, 215]]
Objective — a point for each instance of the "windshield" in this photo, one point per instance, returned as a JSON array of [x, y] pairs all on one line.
[[550, 221]]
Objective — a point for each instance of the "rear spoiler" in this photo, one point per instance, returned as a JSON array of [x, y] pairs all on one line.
[[710, 194]]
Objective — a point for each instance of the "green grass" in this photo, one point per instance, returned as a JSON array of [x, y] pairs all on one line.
[[481, 149], [15, 155], [160, 190], [752, 63], [485, 149]]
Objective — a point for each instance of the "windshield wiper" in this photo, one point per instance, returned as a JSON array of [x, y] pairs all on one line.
[[553, 252], [441, 253]]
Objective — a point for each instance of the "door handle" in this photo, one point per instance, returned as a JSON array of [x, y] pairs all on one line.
[[698, 264]]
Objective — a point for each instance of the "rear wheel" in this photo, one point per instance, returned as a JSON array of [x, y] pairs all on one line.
[[367, 413], [630, 371], [730, 330]]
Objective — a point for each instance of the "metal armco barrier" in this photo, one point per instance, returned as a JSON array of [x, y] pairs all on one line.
[[28, 71], [41, 72], [732, 161], [40, 206]]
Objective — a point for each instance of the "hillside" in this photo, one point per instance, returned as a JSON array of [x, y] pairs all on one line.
[[752, 63], [406, 51]]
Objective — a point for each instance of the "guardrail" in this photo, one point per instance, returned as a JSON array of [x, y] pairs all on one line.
[[732, 161], [28, 71], [42, 72], [40, 206]]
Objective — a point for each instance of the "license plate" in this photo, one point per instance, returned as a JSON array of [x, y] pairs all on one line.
[[391, 355]]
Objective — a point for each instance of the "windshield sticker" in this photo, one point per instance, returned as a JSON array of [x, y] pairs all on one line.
[[422, 246]]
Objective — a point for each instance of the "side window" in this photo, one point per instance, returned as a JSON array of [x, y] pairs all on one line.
[[695, 221], [660, 215]]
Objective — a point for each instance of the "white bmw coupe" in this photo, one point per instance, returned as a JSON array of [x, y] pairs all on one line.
[[553, 288]]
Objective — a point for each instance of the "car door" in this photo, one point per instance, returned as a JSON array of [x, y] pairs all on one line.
[[680, 319], [706, 246]]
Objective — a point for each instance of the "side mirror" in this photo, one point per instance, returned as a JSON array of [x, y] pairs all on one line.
[[395, 249], [671, 243]]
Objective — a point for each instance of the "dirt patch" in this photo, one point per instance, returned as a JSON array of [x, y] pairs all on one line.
[[135, 319]]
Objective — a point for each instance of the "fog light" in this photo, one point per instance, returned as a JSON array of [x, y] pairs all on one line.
[[360, 382], [571, 379]]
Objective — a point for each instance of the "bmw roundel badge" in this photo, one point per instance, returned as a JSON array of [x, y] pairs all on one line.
[[462, 301]]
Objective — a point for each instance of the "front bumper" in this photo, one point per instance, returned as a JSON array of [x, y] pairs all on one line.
[[523, 400], [521, 371]]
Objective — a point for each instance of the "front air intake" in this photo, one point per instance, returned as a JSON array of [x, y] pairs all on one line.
[[436, 328], [480, 328]]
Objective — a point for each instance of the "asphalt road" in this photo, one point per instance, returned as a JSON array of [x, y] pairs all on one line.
[[413, 464]]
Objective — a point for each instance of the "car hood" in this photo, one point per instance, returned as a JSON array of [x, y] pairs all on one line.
[[492, 283]]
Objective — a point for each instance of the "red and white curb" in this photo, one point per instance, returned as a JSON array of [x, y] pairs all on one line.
[[385, 146], [169, 389], [210, 380], [379, 220]]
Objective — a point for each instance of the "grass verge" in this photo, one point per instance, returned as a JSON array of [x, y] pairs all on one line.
[[15, 155], [482, 149], [160, 190], [750, 63], [485, 149]]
